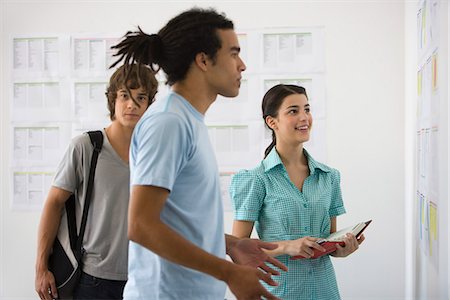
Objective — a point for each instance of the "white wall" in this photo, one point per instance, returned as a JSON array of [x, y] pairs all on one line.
[[410, 135], [2, 139], [365, 129]]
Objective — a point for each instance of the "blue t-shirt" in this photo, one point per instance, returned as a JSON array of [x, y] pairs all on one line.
[[170, 148], [267, 196]]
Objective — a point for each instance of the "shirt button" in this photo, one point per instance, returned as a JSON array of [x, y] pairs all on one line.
[[306, 228], [305, 205]]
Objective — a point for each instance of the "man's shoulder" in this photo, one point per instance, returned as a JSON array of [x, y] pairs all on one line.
[[82, 143]]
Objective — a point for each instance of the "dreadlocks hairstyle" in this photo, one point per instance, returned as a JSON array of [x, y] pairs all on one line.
[[272, 101], [175, 46], [136, 77]]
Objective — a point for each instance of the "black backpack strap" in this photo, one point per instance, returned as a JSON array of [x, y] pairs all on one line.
[[71, 221], [97, 142]]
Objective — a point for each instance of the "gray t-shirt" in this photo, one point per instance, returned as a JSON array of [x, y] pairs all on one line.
[[105, 238]]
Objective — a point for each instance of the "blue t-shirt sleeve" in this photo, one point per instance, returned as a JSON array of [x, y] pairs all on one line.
[[247, 192], [337, 204], [159, 150]]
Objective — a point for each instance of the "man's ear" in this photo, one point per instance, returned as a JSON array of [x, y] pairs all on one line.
[[270, 121], [201, 60]]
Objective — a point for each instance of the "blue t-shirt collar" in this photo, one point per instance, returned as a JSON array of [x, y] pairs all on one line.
[[189, 106]]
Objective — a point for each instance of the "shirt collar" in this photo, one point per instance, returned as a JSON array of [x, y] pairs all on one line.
[[198, 115], [273, 159]]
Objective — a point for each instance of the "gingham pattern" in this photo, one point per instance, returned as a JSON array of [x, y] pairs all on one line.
[[280, 211]]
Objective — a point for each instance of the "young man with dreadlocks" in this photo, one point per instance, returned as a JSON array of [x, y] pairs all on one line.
[[178, 246]]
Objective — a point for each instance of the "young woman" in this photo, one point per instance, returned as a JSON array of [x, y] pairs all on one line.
[[292, 199]]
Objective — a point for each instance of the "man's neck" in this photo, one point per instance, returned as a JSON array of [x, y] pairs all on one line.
[[196, 93], [120, 139]]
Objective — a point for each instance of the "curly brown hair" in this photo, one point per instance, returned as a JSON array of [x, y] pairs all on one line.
[[136, 77]]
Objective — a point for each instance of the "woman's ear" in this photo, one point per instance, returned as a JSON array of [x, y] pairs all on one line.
[[271, 122], [201, 61]]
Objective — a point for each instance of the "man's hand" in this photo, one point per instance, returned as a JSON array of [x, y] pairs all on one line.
[[45, 285], [249, 252], [243, 281]]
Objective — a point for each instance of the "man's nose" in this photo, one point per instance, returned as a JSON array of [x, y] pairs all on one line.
[[243, 67]]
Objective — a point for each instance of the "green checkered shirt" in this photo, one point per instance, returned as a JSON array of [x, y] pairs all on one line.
[[267, 196]]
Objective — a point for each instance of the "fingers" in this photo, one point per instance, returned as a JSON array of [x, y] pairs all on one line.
[[361, 239], [45, 294], [353, 241], [46, 288], [54, 290], [351, 244], [268, 295], [269, 270], [317, 246], [49, 293], [267, 278], [277, 263], [309, 247]]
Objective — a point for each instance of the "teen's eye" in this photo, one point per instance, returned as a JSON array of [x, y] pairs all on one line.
[[307, 109], [142, 98], [124, 95], [292, 111]]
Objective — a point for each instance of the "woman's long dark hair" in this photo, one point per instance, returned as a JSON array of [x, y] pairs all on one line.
[[271, 103]]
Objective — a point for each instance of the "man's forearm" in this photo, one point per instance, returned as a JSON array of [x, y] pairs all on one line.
[[167, 243], [48, 229]]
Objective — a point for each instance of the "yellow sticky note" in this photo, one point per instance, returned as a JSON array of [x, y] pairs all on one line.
[[434, 72], [433, 222]]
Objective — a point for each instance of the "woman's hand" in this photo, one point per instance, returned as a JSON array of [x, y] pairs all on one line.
[[351, 245], [304, 246]]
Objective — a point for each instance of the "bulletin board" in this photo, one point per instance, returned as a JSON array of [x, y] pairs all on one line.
[[58, 91], [431, 154], [272, 56]]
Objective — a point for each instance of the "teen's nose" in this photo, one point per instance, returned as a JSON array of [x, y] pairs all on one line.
[[131, 104]]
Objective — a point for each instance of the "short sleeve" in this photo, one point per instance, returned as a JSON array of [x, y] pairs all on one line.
[[337, 205], [247, 192], [69, 174], [160, 149]]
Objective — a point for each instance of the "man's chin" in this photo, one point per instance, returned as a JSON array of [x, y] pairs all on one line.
[[230, 94]]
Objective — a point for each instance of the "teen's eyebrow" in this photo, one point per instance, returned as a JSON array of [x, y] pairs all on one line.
[[292, 106]]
